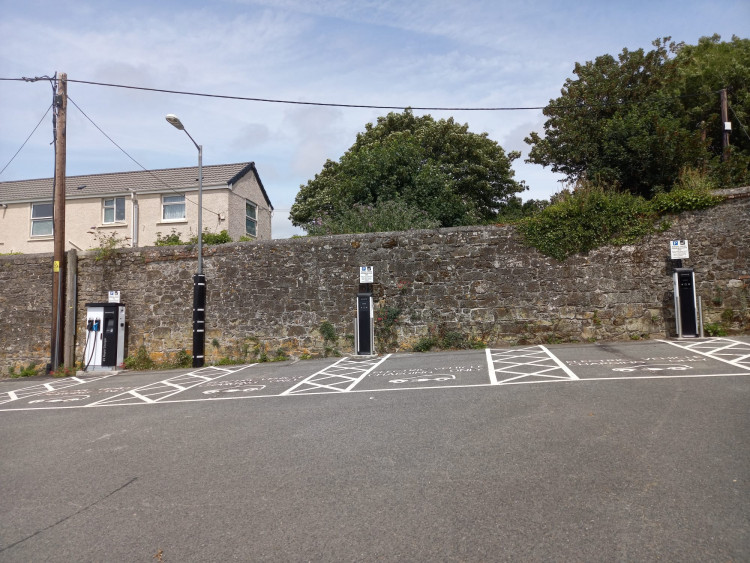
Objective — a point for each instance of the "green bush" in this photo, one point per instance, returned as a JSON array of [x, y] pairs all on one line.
[[714, 329], [328, 332], [586, 219], [425, 344], [593, 216], [212, 238], [141, 360], [183, 359], [172, 239], [388, 215], [446, 340], [692, 191], [107, 244], [28, 371]]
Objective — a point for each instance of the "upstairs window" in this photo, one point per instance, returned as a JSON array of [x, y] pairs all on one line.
[[114, 210], [173, 207], [41, 219], [251, 219]]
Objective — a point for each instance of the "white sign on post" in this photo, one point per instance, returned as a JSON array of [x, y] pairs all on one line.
[[365, 274], [679, 249]]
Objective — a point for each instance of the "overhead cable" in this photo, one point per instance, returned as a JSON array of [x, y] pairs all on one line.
[[27, 139], [297, 102], [134, 160]]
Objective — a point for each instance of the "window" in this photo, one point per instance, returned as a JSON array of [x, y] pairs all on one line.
[[251, 219], [114, 210], [173, 207], [41, 219]]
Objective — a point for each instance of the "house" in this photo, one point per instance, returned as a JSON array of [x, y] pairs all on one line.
[[136, 207]]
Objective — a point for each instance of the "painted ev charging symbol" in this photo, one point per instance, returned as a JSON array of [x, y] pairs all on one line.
[[68, 400], [654, 367], [425, 378]]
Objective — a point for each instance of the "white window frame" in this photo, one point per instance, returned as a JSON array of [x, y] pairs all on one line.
[[166, 204], [113, 206], [43, 219], [251, 220]]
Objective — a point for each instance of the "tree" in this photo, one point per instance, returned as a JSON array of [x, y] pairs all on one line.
[[453, 176], [634, 122], [705, 69], [385, 215]]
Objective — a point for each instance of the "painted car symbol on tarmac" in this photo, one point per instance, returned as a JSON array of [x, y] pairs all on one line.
[[241, 390], [425, 378], [654, 367]]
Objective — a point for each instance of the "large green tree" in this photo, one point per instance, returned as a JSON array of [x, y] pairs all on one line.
[[705, 69], [435, 168], [638, 120]]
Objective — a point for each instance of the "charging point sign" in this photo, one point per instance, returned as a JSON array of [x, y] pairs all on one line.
[[679, 249], [365, 274]]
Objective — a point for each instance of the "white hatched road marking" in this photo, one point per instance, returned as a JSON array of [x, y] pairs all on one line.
[[42, 388], [732, 352], [340, 377], [154, 392], [530, 362]]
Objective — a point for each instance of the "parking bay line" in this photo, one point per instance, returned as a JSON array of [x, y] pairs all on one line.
[[348, 379], [42, 388], [507, 361], [167, 387], [691, 348], [558, 380]]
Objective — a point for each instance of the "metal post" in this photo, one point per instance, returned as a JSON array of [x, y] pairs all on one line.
[[700, 315], [200, 207], [199, 280]]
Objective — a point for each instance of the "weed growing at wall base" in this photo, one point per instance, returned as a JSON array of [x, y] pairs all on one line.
[[445, 339], [28, 371]]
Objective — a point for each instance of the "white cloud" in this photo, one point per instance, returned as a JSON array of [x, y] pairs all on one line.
[[475, 53]]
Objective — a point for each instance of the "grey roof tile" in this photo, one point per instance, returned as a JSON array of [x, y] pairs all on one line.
[[123, 182]]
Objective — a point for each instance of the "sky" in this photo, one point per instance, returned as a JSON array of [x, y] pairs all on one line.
[[429, 53]]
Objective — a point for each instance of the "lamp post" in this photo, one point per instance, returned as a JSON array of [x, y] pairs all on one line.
[[199, 280]]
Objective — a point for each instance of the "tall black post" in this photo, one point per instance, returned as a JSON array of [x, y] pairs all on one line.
[[199, 320]]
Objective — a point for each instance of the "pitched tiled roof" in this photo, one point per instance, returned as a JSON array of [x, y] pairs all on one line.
[[123, 182]]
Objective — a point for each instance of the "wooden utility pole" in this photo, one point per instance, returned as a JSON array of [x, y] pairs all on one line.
[[725, 129], [58, 265]]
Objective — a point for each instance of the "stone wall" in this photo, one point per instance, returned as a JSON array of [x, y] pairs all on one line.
[[480, 282]]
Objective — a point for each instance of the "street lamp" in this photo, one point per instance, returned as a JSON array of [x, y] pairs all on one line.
[[199, 280]]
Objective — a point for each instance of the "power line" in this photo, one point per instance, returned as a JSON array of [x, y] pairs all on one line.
[[551, 105], [737, 117], [133, 159], [357, 106], [27, 139], [297, 102]]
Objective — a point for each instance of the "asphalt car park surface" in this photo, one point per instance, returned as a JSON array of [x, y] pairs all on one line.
[[586, 452]]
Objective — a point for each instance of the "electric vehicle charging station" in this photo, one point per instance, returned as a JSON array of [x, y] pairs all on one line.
[[364, 333], [685, 302], [105, 336]]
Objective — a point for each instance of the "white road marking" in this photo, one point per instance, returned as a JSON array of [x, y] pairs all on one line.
[[736, 358], [529, 362], [491, 367], [563, 367], [340, 377], [161, 390], [41, 388], [390, 389]]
